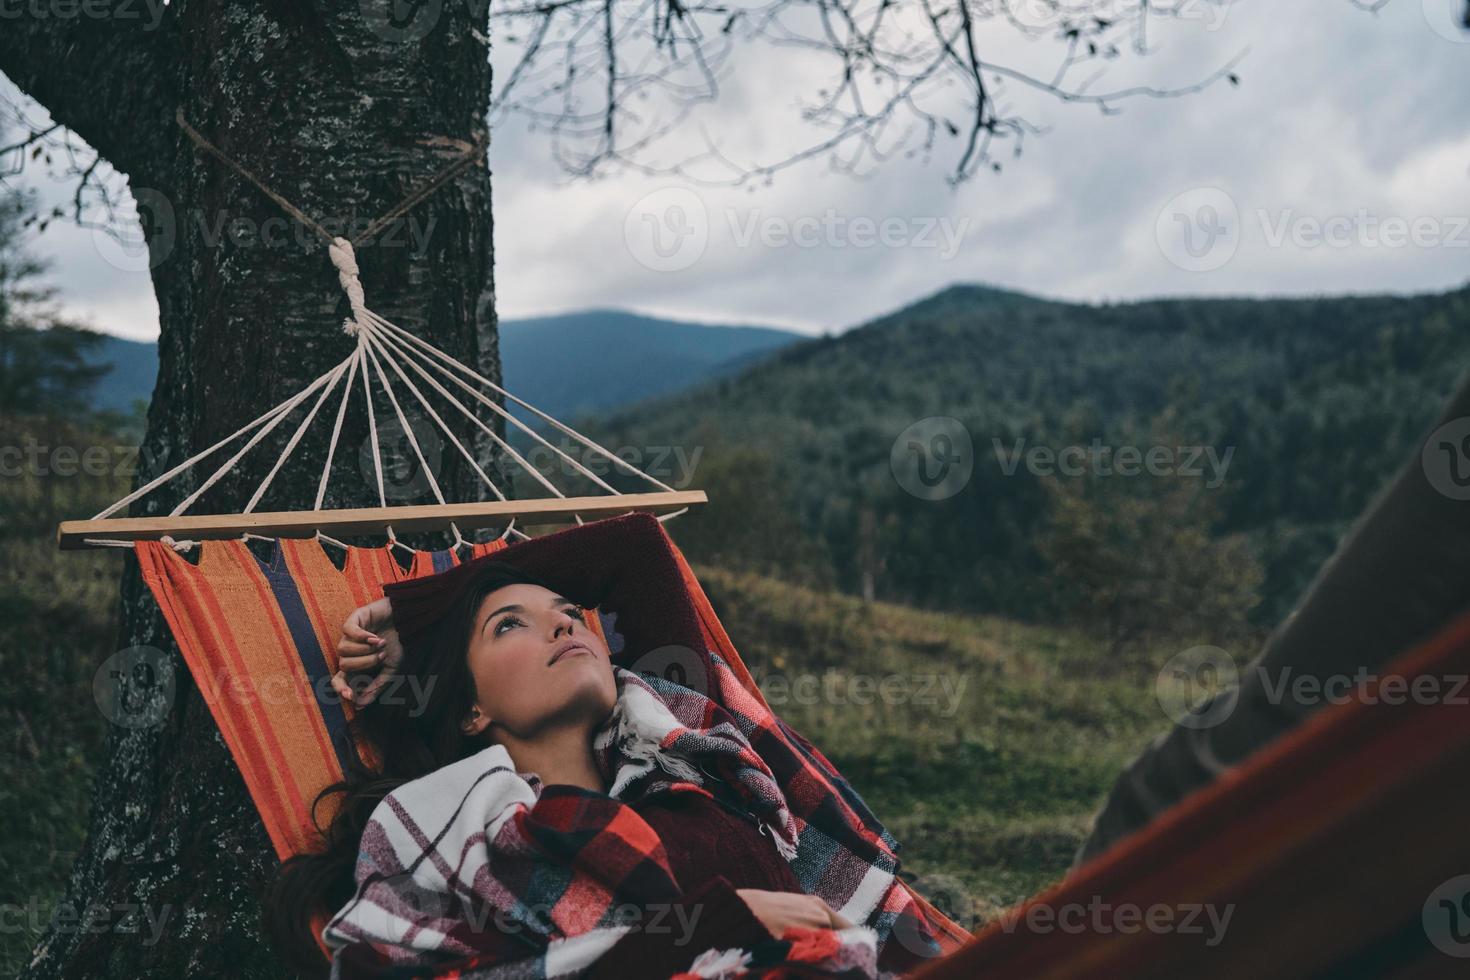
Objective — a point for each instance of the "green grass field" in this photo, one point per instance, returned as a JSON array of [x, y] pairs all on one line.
[[994, 743], [984, 744], [59, 614]]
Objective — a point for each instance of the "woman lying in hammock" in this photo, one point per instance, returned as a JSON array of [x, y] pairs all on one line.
[[540, 812]]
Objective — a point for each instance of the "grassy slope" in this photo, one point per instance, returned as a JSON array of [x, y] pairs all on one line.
[[989, 792], [59, 612]]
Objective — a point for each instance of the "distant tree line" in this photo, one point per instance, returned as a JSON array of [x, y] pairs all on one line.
[[44, 364], [1281, 419]]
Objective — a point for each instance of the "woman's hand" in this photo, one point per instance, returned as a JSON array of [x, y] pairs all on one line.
[[369, 643], [778, 911]]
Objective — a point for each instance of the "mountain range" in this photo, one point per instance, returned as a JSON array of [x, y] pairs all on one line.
[[1287, 414], [628, 357], [1303, 409]]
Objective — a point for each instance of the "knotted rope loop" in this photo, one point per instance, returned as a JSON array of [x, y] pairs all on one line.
[[345, 259]]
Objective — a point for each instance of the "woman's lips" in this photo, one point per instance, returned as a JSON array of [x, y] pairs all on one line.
[[571, 650]]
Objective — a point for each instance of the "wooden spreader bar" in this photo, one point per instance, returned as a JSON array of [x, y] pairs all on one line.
[[70, 535]]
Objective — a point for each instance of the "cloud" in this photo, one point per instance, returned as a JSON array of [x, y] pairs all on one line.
[[1339, 114]]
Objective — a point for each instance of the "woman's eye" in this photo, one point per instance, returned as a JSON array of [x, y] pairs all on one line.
[[575, 611]]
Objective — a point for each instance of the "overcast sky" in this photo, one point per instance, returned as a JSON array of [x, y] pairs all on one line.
[[1341, 163]]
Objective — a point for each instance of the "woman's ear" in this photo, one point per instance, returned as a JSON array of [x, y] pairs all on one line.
[[475, 722]]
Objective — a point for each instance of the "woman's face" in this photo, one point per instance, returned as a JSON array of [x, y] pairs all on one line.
[[536, 665]]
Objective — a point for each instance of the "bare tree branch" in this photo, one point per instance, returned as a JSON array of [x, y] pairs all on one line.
[[100, 191], [610, 80]]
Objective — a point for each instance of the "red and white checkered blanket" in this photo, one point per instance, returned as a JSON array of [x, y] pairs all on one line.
[[477, 871]]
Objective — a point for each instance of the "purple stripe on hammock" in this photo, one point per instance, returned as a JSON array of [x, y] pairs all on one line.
[[287, 593]]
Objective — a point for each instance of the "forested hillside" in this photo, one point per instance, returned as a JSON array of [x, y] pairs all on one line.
[[1281, 419]]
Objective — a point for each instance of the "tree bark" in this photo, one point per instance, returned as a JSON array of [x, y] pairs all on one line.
[[318, 102]]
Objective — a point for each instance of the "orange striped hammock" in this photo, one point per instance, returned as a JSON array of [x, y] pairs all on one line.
[[260, 637], [1327, 847]]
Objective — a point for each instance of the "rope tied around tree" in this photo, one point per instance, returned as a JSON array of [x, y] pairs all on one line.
[[340, 249], [470, 154]]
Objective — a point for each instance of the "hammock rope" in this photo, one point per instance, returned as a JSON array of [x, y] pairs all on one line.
[[380, 341], [379, 321]]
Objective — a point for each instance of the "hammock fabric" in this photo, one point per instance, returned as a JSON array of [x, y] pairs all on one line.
[[260, 640], [1339, 850]]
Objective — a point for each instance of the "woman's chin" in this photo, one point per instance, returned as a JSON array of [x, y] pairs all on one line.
[[586, 682]]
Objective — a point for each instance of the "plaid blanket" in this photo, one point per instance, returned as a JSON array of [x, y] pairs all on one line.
[[475, 870]]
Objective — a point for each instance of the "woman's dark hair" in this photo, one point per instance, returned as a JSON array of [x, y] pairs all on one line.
[[413, 735]]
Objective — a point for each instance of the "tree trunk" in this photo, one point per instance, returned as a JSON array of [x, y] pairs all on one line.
[[333, 113]]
